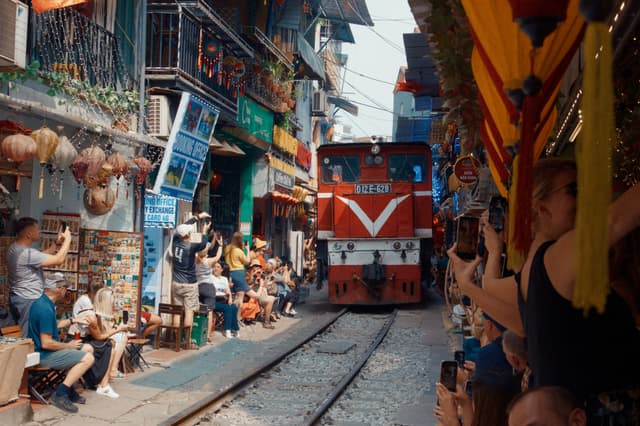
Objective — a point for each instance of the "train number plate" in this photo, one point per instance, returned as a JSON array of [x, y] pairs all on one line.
[[373, 188]]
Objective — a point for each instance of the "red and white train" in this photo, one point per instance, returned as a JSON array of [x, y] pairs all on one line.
[[374, 221]]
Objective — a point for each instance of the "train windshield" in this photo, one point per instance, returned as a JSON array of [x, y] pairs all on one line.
[[340, 169], [407, 167]]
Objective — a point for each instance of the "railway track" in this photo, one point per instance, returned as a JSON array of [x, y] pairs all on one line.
[[299, 388]]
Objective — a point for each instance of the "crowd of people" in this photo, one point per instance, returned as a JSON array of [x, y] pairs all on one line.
[[233, 279], [540, 360]]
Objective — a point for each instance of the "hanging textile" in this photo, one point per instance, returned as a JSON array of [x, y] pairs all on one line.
[[40, 6]]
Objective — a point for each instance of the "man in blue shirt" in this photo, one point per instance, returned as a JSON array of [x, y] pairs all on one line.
[[43, 330]]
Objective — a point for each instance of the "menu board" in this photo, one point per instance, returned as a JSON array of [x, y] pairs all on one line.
[[5, 242], [114, 258], [49, 228]]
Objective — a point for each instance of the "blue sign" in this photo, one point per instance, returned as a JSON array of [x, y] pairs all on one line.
[[160, 211], [187, 148]]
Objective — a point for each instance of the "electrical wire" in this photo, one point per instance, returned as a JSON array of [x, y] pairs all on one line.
[[386, 40]]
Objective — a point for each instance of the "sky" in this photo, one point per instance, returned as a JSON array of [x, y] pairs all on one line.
[[378, 53]]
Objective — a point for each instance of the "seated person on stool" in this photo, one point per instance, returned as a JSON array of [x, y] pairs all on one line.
[[150, 321], [74, 355]]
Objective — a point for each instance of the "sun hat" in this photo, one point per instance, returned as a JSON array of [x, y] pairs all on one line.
[[260, 243]]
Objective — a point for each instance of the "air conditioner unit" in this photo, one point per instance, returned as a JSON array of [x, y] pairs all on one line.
[[14, 21], [159, 116], [319, 105]]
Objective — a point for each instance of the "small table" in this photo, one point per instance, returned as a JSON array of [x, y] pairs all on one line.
[[134, 352]]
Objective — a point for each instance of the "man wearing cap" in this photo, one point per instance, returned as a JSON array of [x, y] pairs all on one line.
[[25, 263], [184, 289], [73, 355]]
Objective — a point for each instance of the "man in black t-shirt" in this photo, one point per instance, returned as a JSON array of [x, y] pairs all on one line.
[[184, 288]]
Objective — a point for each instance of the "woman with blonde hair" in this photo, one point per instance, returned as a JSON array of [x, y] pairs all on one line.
[[104, 310]]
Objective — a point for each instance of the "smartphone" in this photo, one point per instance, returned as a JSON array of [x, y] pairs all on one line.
[[467, 239], [449, 374], [497, 209], [468, 388], [63, 225], [125, 316], [459, 357]]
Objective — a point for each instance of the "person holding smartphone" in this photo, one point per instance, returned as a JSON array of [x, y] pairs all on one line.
[[25, 264]]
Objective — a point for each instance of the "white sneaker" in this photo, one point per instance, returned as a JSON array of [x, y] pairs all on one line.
[[235, 333], [107, 391], [227, 333], [293, 312]]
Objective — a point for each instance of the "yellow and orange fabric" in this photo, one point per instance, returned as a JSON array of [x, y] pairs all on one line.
[[40, 6]]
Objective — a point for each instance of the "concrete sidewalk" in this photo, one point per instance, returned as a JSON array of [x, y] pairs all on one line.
[[178, 379]]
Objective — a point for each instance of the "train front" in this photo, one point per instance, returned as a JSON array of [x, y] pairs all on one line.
[[374, 221]]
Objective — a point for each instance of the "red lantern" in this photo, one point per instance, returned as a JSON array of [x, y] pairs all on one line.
[[216, 180], [538, 18]]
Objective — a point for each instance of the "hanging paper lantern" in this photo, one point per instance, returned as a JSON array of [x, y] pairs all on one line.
[[216, 180], [46, 144], [538, 18], [63, 157], [120, 166], [18, 148], [93, 156], [144, 167]]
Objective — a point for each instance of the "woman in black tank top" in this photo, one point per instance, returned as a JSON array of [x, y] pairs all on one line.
[[589, 355]]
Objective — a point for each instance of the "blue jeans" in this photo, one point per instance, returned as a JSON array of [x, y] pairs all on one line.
[[230, 315]]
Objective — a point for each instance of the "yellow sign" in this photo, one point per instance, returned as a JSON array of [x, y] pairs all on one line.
[[282, 166]]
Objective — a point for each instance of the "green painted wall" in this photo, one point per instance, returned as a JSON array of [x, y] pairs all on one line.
[[246, 194]]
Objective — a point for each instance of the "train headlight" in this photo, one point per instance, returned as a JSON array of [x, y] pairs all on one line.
[[410, 245], [375, 149], [337, 246], [378, 160], [397, 245], [351, 245]]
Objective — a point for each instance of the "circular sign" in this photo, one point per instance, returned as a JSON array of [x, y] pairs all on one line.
[[467, 169]]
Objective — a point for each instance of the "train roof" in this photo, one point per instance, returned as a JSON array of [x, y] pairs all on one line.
[[368, 144]]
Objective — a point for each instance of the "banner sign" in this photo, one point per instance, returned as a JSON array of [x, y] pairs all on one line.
[[159, 211], [255, 119], [187, 148]]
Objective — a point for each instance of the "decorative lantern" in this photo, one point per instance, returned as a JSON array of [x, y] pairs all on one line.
[[99, 200], [94, 156], [216, 180], [144, 167], [63, 157], [538, 18], [228, 67], [120, 167], [46, 144], [18, 148]]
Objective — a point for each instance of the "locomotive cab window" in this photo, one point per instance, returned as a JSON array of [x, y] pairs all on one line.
[[407, 167], [338, 169]]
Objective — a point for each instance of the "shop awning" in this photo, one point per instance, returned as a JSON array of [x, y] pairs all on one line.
[[343, 104], [341, 31], [227, 149], [312, 66], [352, 11]]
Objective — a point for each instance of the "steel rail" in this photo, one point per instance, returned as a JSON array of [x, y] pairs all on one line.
[[211, 401], [328, 401]]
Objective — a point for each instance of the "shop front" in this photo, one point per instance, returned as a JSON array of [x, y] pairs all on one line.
[[232, 203]]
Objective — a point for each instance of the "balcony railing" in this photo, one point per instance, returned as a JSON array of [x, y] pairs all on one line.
[[66, 41], [173, 40]]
